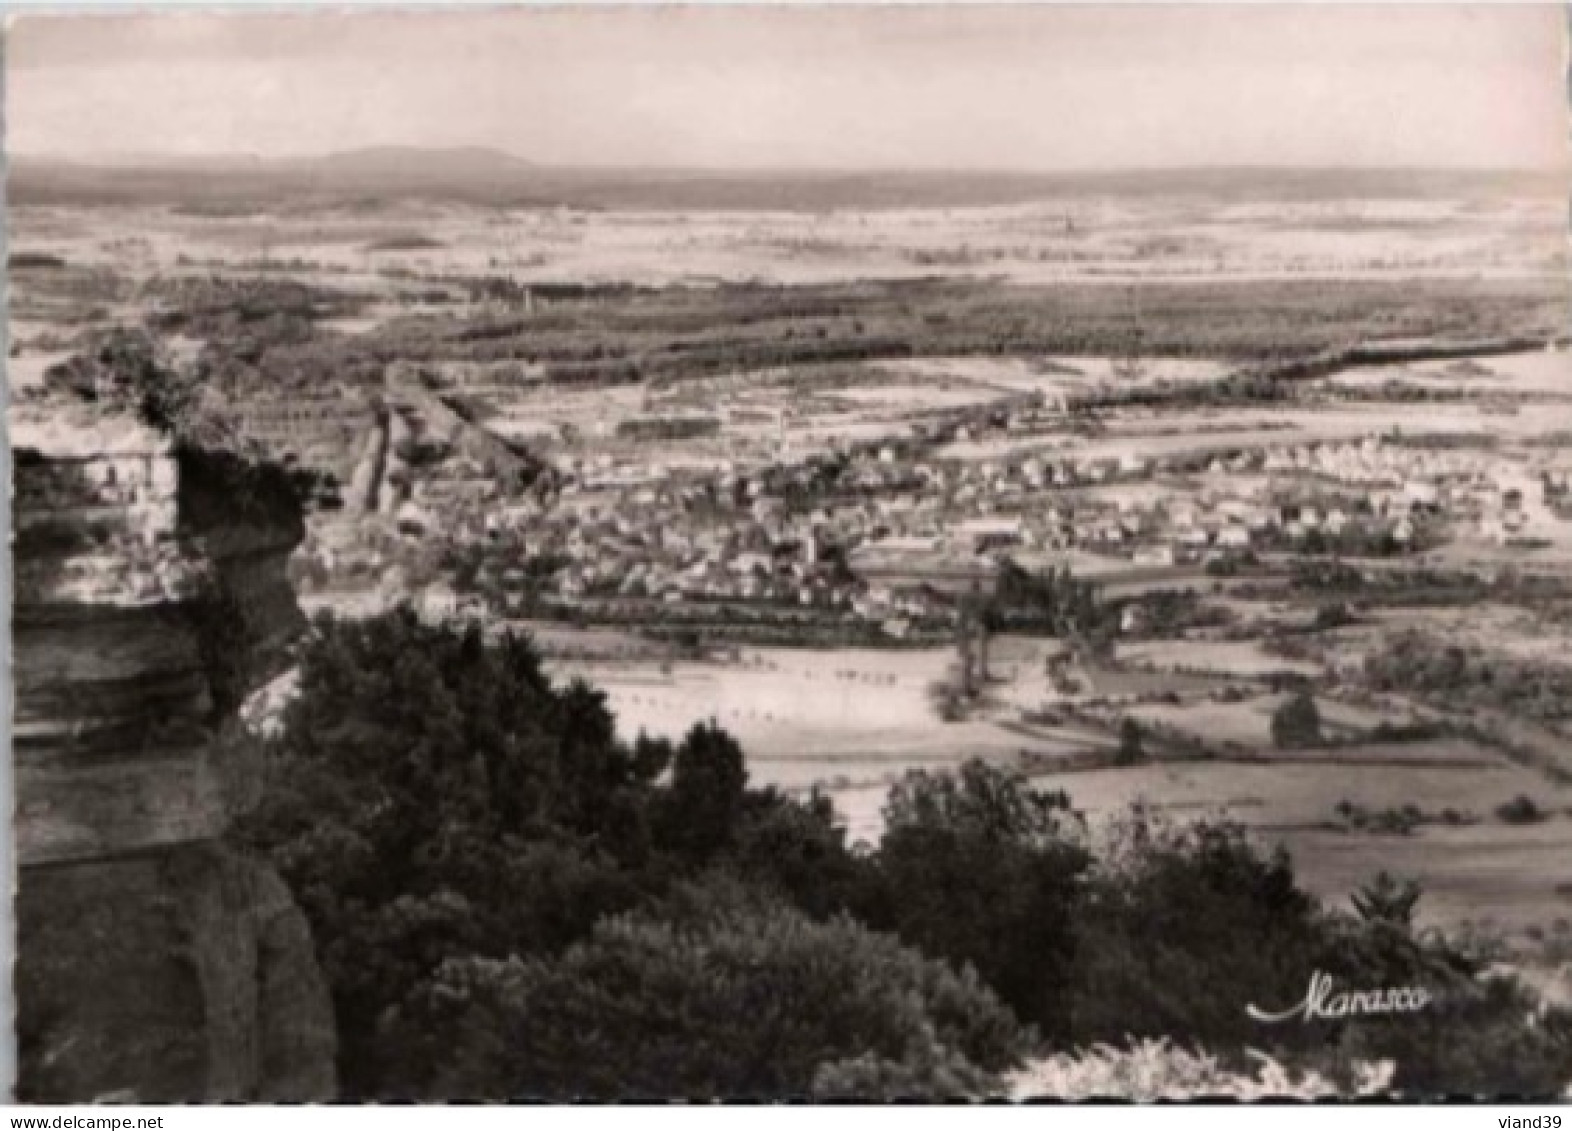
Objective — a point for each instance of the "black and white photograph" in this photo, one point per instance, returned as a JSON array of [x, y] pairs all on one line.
[[721, 552]]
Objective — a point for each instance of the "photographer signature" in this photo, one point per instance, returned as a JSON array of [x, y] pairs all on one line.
[[1321, 1002]]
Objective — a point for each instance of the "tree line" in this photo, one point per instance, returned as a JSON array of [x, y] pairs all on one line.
[[510, 901]]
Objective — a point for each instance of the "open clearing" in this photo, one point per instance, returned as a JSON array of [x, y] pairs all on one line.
[[798, 730], [853, 716], [1489, 872], [1226, 657], [1505, 877]]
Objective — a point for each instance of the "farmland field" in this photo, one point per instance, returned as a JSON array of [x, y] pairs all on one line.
[[1223, 657], [807, 716], [1488, 873]]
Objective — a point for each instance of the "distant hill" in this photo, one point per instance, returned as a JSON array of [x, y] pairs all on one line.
[[410, 165], [366, 177]]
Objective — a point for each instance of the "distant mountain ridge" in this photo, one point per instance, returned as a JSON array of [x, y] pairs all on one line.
[[373, 158], [483, 175], [458, 162]]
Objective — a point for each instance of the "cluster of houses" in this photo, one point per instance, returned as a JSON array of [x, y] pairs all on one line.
[[1479, 491], [785, 532], [1279, 497], [688, 540], [632, 524], [310, 426]]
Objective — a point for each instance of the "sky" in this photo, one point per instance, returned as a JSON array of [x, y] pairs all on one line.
[[717, 86]]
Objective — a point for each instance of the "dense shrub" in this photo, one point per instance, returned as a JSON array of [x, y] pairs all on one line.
[[1333, 615], [1453, 677], [798, 851], [1052, 601], [435, 796], [508, 900], [1396, 820], [729, 1001], [1179, 927], [1521, 810], [977, 868], [1483, 1036]]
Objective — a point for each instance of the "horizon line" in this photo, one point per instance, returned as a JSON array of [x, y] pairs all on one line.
[[156, 159]]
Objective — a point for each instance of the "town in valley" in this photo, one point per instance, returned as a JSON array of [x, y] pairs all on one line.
[[1089, 480], [805, 553]]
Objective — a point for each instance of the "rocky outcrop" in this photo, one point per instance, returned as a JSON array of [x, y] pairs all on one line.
[[177, 974], [154, 961]]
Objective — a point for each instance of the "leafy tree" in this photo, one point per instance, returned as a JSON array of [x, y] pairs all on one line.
[[1387, 899], [1482, 1032], [1179, 927], [704, 804], [434, 795], [508, 900], [1132, 749], [1052, 601], [978, 868], [798, 850], [725, 998], [1481, 1036], [1297, 722]]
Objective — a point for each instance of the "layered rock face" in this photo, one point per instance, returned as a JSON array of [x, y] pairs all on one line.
[[154, 961]]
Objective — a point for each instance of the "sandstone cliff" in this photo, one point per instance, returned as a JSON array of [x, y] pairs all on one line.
[[155, 962]]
